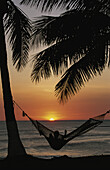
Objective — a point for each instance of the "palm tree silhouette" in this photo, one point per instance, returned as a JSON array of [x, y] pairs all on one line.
[[18, 27], [80, 37]]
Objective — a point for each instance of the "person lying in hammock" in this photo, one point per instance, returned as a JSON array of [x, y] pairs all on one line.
[[56, 141]]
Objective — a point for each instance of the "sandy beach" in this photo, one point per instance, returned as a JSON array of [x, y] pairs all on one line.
[[64, 162]]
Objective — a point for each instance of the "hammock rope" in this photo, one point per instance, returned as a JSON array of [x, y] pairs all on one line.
[[57, 140]]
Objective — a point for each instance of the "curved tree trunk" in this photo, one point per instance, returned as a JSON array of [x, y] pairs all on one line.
[[15, 146]]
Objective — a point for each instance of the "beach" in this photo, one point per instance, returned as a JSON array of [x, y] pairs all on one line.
[[63, 162]]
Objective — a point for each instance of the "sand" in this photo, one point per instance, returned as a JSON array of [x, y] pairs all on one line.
[[64, 162]]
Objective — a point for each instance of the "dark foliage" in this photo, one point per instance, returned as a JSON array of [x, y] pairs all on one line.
[[78, 38], [48, 5], [18, 27]]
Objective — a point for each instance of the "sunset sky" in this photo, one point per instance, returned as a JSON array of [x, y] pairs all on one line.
[[39, 100]]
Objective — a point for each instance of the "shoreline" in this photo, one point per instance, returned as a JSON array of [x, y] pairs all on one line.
[[29, 162]]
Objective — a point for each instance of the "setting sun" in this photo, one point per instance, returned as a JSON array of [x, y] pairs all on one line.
[[51, 115], [52, 119]]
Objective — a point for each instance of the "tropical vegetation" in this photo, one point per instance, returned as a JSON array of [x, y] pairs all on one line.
[[77, 40], [17, 26]]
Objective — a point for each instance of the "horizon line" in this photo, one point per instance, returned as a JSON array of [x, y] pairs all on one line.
[[48, 120]]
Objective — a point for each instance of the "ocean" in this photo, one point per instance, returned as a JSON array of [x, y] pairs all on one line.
[[94, 142]]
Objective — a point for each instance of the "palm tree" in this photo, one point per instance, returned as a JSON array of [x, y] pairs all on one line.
[[80, 37], [17, 25]]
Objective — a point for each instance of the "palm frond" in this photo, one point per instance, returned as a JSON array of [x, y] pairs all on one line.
[[18, 27], [74, 35], [72, 40], [48, 29], [41, 69], [39, 25], [50, 4], [79, 73], [57, 57], [47, 63]]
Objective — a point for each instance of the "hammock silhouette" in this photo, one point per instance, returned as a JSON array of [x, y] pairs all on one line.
[[57, 140]]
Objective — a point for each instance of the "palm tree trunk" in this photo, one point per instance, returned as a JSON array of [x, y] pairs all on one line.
[[15, 146]]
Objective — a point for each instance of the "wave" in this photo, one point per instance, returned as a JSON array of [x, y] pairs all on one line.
[[41, 147], [27, 130], [3, 140], [3, 149], [87, 143], [82, 144], [28, 138]]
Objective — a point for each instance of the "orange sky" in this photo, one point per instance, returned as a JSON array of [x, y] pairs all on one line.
[[39, 100], [40, 103]]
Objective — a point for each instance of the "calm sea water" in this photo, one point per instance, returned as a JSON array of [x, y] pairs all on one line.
[[95, 142]]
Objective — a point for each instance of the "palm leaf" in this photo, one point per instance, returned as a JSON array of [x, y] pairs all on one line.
[[79, 73], [72, 39], [39, 25], [49, 29], [48, 5], [74, 35], [18, 27], [56, 58], [75, 24]]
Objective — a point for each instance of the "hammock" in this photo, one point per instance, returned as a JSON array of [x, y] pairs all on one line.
[[57, 140]]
